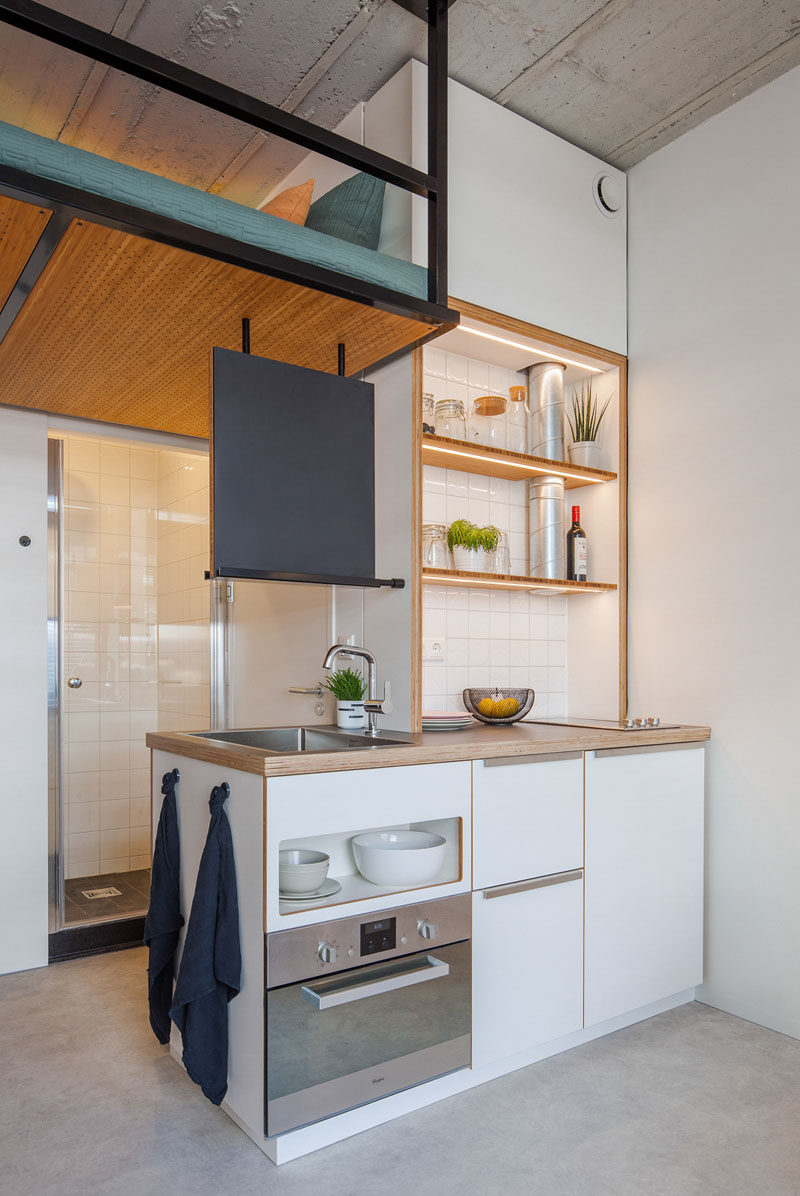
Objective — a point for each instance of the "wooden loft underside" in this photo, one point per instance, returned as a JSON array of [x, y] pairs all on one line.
[[120, 328]]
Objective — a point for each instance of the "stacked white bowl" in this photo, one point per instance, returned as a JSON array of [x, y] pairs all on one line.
[[301, 870]]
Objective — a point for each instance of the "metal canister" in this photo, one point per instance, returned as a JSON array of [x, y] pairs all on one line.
[[546, 410], [548, 527]]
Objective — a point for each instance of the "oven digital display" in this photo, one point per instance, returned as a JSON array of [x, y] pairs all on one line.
[[378, 936]]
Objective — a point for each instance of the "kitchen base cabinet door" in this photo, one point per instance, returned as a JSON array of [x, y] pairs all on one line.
[[644, 877], [527, 973]]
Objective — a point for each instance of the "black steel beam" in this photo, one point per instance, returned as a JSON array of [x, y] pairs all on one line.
[[43, 250], [437, 150], [325, 579], [75, 203], [122, 55], [419, 8]]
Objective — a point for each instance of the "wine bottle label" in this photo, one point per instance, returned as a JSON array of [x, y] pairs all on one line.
[[580, 557]]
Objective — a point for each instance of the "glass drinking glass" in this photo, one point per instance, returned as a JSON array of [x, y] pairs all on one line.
[[487, 421], [499, 561], [450, 419], [428, 415], [435, 552]]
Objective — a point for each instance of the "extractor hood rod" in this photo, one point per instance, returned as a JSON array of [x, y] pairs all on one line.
[[245, 335], [341, 359]]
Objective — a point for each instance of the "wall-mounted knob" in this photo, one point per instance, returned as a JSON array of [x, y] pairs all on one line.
[[427, 930], [74, 683], [25, 541], [327, 953]]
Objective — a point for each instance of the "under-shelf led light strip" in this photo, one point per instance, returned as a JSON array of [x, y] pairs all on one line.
[[448, 580], [544, 353], [473, 456]]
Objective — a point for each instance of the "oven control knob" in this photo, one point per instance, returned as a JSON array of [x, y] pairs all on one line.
[[327, 953], [427, 930]]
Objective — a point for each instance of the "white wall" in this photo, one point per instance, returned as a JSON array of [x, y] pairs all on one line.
[[714, 430], [23, 705]]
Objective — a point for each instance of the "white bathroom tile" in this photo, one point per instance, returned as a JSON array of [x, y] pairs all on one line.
[[556, 679], [501, 676], [479, 511], [81, 548], [114, 755], [119, 863], [434, 361], [143, 493], [457, 483], [83, 517], [457, 368], [499, 600], [434, 597], [114, 784], [114, 490], [557, 604], [82, 607], [480, 677], [82, 454], [520, 654], [518, 600], [113, 844], [434, 508], [83, 700], [518, 522], [500, 652], [457, 599], [457, 651], [478, 374], [519, 566], [539, 652], [435, 623], [434, 480], [437, 387], [556, 627], [84, 578], [82, 787], [114, 724], [114, 549], [499, 490], [498, 380], [478, 624], [82, 487], [457, 625], [114, 520], [140, 811], [114, 814], [519, 677], [479, 599], [479, 652], [478, 487], [82, 727], [84, 844], [433, 702], [541, 705], [434, 679], [457, 679], [115, 459], [518, 494], [82, 817], [457, 508], [83, 757], [539, 678], [518, 545], [140, 782], [140, 840], [114, 608], [520, 625], [557, 704], [113, 579], [500, 515], [539, 627], [539, 604], [557, 654], [500, 624], [144, 464]]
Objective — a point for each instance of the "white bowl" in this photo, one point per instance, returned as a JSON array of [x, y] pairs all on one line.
[[399, 857], [302, 871]]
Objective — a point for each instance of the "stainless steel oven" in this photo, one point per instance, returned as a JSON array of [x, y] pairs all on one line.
[[363, 1007]]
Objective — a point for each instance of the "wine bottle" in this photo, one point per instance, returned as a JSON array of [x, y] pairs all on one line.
[[576, 549]]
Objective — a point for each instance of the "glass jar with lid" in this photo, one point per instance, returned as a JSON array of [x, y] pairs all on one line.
[[435, 552], [517, 421], [450, 419], [487, 421], [428, 415]]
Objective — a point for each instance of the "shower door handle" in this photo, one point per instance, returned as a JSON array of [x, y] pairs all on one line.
[[74, 683]]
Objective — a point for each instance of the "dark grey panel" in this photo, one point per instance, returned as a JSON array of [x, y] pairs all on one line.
[[294, 473]]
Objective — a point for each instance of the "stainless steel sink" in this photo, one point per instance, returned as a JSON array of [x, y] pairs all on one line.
[[287, 741]]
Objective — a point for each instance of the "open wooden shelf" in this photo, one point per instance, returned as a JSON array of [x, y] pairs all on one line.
[[502, 463], [510, 581]]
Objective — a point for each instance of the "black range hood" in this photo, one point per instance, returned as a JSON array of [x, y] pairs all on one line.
[[293, 474]]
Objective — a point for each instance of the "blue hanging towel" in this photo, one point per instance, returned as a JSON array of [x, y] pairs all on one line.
[[164, 919], [211, 966]]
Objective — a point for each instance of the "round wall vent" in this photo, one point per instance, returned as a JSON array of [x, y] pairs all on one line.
[[609, 194]]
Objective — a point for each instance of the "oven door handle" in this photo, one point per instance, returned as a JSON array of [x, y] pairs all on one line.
[[431, 969]]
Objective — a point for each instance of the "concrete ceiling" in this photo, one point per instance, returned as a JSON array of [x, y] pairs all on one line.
[[620, 78]]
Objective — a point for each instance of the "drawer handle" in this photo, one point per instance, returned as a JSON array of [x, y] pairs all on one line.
[[402, 977], [504, 761], [540, 882], [645, 748]]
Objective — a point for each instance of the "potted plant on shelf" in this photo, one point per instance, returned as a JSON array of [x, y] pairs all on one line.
[[348, 687], [470, 544], [584, 425]]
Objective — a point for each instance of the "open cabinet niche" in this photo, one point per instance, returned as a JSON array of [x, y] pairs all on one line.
[[566, 641]]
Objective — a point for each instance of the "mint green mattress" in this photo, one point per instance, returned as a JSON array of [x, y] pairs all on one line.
[[79, 168]]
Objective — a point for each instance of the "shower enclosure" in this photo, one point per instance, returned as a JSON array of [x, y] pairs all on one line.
[[128, 652]]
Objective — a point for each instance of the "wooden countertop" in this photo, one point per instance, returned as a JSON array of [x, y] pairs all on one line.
[[433, 747]]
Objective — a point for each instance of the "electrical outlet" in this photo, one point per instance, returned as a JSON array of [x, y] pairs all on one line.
[[432, 648]]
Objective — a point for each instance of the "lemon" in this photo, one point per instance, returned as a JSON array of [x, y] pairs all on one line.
[[486, 706]]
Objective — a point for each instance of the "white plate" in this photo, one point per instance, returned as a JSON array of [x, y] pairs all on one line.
[[326, 890], [447, 726]]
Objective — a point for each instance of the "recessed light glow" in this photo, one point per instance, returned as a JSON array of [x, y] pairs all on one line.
[[502, 340], [472, 456], [448, 579]]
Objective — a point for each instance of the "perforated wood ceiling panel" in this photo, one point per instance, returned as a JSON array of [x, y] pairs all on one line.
[[21, 225], [121, 329]]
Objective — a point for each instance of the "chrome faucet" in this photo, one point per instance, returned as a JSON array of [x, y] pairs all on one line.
[[373, 705]]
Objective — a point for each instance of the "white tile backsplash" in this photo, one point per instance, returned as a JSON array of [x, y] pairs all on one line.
[[492, 637]]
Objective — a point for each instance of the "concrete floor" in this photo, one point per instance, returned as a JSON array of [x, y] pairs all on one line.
[[692, 1102]]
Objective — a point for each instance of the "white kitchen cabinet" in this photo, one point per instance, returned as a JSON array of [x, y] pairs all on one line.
[[644, 876], [528, 817], [527, 982]]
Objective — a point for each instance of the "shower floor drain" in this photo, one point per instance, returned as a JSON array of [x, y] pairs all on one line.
[[92, 894]]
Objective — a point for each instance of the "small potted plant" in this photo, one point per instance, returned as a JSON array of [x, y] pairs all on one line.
[[470, 544], [584, 425], [348, 687]]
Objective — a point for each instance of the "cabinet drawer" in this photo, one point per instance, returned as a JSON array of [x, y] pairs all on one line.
[[527, 974], [528, 818]]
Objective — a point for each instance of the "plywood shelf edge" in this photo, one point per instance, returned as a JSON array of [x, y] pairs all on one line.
[[512, 581], [502, 463]]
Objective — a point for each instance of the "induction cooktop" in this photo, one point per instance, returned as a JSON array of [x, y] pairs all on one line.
[[648, 723]]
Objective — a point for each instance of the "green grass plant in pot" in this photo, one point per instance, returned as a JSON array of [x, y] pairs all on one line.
[[469, 545], [584, 424], [349, 689]]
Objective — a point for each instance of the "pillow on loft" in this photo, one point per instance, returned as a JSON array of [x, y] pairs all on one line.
[[292, 204], [352, 211]]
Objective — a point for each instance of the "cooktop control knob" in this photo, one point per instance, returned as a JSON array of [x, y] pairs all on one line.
[[427, 930], [653, 721], [327, 953], [629, 722], [641, 722]]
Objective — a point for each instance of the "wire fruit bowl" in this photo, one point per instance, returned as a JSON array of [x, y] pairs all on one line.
[[473, 698]]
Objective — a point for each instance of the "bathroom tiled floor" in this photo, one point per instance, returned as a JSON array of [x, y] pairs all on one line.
[[134, 896]]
